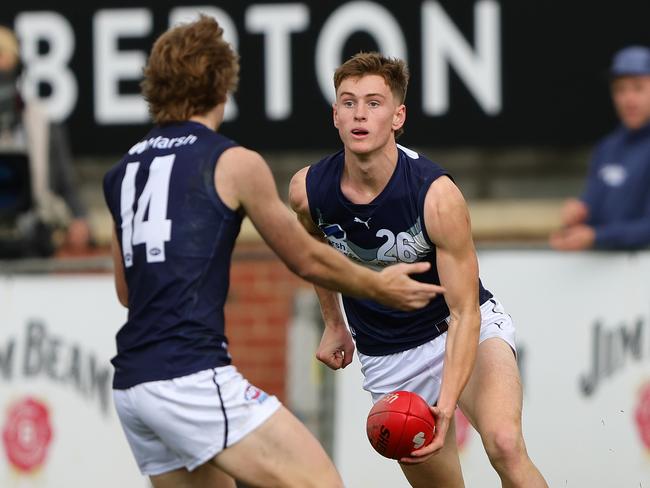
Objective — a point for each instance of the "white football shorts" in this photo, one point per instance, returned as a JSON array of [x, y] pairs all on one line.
[[186, 421], [420, 369]]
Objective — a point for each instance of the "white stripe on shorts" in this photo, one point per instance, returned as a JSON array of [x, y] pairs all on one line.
[[186, 421]]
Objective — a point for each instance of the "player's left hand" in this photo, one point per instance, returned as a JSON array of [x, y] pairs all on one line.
[[443, 420]]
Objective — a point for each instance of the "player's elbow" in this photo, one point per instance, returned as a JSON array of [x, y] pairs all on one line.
[[122, 294], [307, 271], [307, 266], [123, 299]]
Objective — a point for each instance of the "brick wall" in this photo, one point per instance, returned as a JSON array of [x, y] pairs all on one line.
[[258, 312]]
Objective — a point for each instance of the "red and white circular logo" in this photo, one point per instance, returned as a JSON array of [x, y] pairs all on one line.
[[642, 414], [27, 434]]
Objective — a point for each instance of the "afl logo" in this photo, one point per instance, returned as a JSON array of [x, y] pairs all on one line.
[[155, 251], [642, 415], [27, 434]]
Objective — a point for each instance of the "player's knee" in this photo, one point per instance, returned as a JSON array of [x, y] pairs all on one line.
[[505, 447]]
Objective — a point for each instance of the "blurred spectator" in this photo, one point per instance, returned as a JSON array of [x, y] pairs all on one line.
[[40, 210], [614, 210]]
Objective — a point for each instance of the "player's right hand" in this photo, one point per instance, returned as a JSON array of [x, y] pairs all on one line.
[[443, 421], [398, 290]]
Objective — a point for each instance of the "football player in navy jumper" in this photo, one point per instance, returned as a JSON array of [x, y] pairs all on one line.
[[382, 204], [177, 199]]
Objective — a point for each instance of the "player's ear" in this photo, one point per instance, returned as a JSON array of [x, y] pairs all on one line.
[[399, 117], [335, 115]]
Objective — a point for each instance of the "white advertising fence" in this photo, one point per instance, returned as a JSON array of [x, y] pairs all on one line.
[[58, 425], [583, 334]]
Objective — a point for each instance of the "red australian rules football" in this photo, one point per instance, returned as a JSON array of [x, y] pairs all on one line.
[[399, 423]]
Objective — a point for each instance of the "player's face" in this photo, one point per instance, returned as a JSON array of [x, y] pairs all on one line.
[[367, 114], [631, 96]]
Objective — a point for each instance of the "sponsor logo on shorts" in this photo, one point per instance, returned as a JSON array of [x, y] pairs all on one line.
[[389, 397], [254, 394]]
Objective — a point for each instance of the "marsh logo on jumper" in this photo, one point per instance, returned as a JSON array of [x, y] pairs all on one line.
[[336, 237], [253, 393], [162, 143]]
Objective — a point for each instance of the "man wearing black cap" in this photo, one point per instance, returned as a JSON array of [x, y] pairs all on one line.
[[614, 210]]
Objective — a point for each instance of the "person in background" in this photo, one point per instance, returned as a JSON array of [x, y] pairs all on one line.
[[56, 217], [614, 210]]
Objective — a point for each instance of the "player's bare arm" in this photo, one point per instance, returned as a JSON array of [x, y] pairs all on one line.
[[336, 347], [448, 225], [244, 180], [118, 272]]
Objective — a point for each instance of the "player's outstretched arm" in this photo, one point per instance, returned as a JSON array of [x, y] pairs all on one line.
[[448, 225], [243, 179]]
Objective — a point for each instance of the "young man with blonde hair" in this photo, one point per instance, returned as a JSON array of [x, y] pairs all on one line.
[[382, 204], [177, 199]]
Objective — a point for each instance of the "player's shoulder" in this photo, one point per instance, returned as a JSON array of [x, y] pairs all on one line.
[[113, 173], [319, 172], [318, 176], [240, 159], [298, 190], [327, 163], [444, 198], [242, 153], [299, 177]]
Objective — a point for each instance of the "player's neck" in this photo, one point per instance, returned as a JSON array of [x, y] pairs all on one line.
[[211, 119], [366, 175]]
